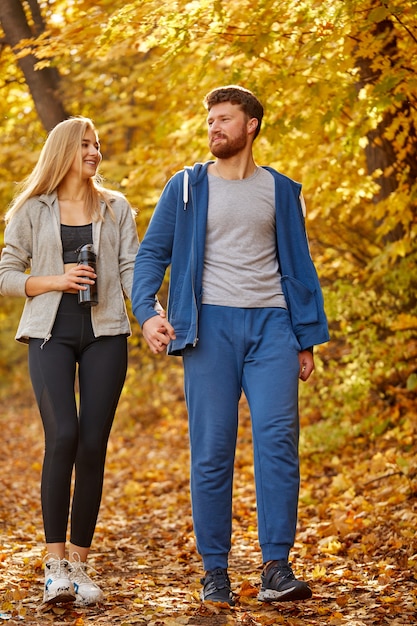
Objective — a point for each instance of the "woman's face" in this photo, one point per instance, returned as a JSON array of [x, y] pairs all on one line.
[[90, 156]]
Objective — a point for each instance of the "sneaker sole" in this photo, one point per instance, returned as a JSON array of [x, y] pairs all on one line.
[[85, 599], [293, 593], [66, 596], [229, 601], [80, 601]]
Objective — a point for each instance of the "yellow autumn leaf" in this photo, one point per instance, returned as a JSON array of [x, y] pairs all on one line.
[[318, 572]]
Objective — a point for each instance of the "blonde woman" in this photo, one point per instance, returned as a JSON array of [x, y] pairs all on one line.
[[61, 207]]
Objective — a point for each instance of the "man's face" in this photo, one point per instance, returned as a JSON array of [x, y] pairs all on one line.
[[227, 130]]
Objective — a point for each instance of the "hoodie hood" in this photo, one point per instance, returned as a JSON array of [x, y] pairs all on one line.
[[192, 176]]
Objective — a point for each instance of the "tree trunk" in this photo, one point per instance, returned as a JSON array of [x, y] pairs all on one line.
[[380, 152], [43, 84]]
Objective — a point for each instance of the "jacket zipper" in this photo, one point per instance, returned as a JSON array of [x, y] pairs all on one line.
[[57, 232], [47, 338], [193, 265]]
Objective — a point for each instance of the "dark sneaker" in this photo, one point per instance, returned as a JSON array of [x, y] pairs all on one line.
[[279, 584], [216, 587]]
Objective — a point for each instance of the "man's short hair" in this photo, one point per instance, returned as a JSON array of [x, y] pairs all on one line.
[[235, 94]]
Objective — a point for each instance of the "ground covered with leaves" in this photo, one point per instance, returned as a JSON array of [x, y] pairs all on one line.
[[356, 541]]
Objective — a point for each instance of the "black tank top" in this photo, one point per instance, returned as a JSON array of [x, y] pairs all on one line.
[[72, 238]]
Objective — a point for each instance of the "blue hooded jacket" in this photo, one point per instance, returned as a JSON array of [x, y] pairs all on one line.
[[176, 237]]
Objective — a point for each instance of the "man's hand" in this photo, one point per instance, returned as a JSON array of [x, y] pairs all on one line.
[[158, 332], [306, 361]]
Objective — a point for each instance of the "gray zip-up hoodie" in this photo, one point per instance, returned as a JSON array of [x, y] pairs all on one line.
[[33, 243]]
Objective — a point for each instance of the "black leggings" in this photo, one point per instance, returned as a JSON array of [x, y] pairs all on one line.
[[75, 437]]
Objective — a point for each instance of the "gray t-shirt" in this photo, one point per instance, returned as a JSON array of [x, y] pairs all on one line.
[[240, 264]]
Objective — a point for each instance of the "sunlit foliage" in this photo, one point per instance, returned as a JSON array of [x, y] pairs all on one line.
[[338, 80]]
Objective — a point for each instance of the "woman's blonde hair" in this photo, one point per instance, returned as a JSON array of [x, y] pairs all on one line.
[[61, 147]]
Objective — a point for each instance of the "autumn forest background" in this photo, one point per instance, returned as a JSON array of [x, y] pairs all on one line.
[[339, 84]]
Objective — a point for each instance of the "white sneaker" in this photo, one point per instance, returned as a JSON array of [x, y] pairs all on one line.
[[58, 587], [86, 591]]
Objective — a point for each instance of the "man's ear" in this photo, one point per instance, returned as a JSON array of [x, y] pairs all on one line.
[[252, 124]]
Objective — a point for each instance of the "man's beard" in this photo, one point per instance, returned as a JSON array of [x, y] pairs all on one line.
[[230, 147]]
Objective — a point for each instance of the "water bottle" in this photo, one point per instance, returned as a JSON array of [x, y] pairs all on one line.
[[86, 256]]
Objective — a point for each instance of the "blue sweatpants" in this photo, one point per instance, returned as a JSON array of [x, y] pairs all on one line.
[[254, 350]]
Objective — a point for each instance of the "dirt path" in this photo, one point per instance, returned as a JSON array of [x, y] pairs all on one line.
[[356, 540]]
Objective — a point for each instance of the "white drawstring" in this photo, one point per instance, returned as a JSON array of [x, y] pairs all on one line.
[[185, 189]]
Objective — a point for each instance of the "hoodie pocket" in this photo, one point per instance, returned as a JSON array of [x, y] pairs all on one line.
[[301, 302]]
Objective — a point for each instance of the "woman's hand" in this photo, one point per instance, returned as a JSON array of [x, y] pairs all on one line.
[[73, 280], [158, 332], [77, 276]]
